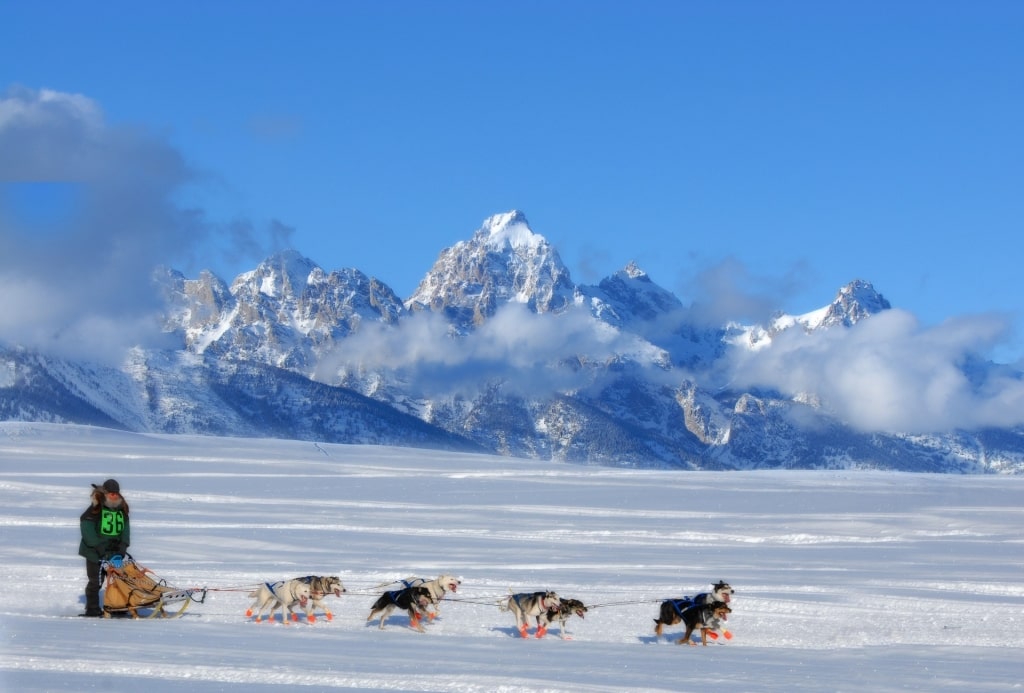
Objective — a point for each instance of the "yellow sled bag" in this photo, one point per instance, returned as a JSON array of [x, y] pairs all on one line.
[[130, 587]]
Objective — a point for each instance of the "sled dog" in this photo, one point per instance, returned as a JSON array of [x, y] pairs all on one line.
[[671, 610], [413, 600], [706, 617], [437, 587], [282, 594], [319, 587], [526, 605], [563, 612]]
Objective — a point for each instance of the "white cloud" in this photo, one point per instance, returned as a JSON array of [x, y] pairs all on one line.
[[92, 265], [887, 373], [526, 351]]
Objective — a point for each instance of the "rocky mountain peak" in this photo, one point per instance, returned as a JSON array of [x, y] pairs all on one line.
[[630, 295], [504, 261], [633, 271], [854, 302], [285, 273]]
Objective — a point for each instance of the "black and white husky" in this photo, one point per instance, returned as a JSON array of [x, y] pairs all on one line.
[[438, 587], [412, 600]]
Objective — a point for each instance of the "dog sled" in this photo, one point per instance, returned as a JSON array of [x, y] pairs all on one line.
[[134, 590]]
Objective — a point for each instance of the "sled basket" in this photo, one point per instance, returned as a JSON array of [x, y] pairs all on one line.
[[132, 587]]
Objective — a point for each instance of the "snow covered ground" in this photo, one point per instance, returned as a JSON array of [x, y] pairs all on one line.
[[846, 581]]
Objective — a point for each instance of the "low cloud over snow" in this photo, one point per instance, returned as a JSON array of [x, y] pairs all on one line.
[[888, 373], [527, 351]]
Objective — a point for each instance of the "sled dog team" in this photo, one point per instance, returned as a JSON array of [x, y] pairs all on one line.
[[704, 613]]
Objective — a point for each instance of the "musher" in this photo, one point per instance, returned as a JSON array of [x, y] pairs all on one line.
[[106, 535]]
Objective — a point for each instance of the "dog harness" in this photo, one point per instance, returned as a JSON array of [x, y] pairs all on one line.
[[273, 588], [678, 605], [540, 600], [308, 580]]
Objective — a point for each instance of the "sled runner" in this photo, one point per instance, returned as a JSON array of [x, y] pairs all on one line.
[[131, 587]]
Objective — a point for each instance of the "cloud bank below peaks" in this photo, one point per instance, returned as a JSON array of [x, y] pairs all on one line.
[[528, 353], [887, 373]]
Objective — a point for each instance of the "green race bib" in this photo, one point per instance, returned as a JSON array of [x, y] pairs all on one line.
[[111, 523]]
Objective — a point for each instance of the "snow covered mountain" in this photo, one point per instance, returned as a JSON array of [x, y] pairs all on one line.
[[854, 302], [497, 350], [503, 262], [286, 312]]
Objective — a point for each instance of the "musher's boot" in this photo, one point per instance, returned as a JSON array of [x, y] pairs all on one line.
[[92, 604]]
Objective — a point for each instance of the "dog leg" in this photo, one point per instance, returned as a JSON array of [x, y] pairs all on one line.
[[686, 637], [657, 627], [317, 604], [261, 606], [384, 615]]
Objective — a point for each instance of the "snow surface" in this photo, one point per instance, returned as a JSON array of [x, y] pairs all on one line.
[[846, 581]]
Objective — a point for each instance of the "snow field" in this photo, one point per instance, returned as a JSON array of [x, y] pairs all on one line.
[[844, 581]]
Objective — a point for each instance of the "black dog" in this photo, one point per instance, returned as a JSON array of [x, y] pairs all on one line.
[[672, 610], [414, 600], [702, 616]]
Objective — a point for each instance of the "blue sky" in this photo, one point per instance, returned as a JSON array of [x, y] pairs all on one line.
[[783, 148]]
